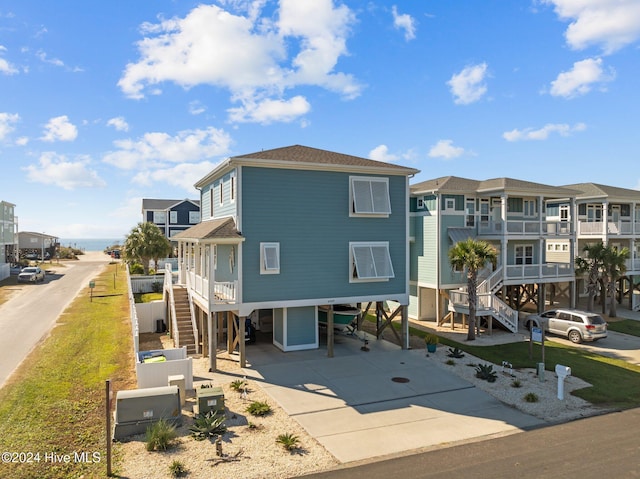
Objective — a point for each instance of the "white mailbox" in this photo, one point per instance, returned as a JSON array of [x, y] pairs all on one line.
[[562, 372]]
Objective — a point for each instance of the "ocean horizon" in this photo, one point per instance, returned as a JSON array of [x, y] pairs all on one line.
[[90, 244]]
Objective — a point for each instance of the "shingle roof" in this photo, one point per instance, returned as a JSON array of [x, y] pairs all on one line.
[[224, 228], [595, 190], [454, 184], [159, 204], [305, 154]]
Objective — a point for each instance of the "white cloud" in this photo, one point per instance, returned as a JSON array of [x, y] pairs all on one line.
[[381, 153], [468, 86], [6, 67], [543, 133], [60, 128], [54, 169], [445, 149], [52, 61], [119, 123], [404, 22], [183, 176], [268, 111], [196, 108], [581, 78], [611, 24], [7, 120], [203, 48], [161, 149]]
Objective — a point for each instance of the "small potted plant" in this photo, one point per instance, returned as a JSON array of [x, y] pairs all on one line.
[[431, 341]]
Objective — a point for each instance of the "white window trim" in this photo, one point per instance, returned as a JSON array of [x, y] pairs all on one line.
[[232, 191], [221, 192], [420, 204], [449, 204], [369, 214], [264, 268], [353, 266], [194, 217], [524, 254], [173, 217]]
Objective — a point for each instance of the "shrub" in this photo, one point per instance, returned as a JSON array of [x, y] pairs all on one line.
[[136, 268], [531, 397], [156, 286], [238, 385], [288, 441], [259, 408], [208, 425], [455, 353], [450, 362], [516, 383], [177, 469], [431, 339], [486, 372], [160, 436]]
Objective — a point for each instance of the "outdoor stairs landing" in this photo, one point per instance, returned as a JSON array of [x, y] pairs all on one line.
[[183, 319]]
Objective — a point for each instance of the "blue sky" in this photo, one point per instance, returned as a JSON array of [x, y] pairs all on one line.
[[105, 103]]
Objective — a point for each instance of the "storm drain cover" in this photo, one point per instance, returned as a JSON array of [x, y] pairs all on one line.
[[400, 380]]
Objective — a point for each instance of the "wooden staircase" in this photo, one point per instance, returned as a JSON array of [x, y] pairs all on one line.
[[183, 319]]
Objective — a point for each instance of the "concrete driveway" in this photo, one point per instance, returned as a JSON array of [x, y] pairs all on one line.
[[615, 345], [360, 405]]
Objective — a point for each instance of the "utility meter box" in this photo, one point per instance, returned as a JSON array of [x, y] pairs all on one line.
[[138, 409], [210, 399]]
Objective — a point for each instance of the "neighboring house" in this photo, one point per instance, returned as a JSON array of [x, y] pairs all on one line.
[[8, 238], [35, 245], [288, 230], [509, 214], [611, 215], [171, 216]]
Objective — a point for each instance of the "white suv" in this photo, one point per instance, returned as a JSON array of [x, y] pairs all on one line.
[[574, 324]]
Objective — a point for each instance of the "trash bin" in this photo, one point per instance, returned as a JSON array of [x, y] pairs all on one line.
[[160, 328]]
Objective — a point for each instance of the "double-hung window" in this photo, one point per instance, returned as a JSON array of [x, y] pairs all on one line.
[[269, 258], [524, 254], [370, 262], [369, 196]]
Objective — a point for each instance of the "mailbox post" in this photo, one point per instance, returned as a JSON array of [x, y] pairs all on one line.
[[92, 284], [562, 372]]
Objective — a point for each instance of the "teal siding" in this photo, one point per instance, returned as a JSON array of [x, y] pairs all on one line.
[[278, 325], [210, 194], [307, 213], [226, 267], [447, 275], [301, 326], [427, 263]]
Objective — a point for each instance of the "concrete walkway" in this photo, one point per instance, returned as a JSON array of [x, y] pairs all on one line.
[[367, 404]]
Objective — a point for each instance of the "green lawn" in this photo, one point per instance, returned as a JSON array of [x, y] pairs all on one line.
[[626, 326], [55, 401], [615, 383]]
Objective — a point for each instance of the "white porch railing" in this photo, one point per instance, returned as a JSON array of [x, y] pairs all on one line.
[[621, 227], [225, 292], [525, 227], [632, 265], [492, 282], [168, 288], [487, 304], [192, 314], [545, 270]]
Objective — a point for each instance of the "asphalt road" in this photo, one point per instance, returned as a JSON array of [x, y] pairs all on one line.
[[29, 315], [596, 447]]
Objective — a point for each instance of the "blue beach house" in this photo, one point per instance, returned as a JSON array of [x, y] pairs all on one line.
[[288, 233]]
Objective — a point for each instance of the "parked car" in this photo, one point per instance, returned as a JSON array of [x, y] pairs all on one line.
[[574, 324], [31, 274]]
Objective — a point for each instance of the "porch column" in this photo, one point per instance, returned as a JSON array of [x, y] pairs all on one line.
[[404, 321], [631, 289], [181, 262], [242, 344], [212, 321], [330, 332]]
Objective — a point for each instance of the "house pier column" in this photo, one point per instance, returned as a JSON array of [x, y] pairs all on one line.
[[330, 332], [212, 321], [404, 321], [242, 342]]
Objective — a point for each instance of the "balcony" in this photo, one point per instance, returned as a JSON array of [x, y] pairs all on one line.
[[537, 272], [222, 292], [526, 228], [597, 228]]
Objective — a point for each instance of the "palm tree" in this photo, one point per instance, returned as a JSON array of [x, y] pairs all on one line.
[[472, 255], [613, 269], [146, 242], [591, 264]]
